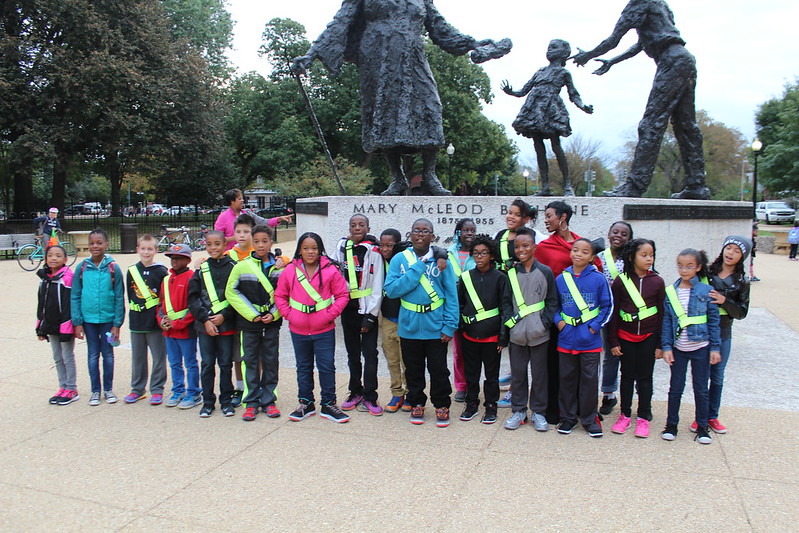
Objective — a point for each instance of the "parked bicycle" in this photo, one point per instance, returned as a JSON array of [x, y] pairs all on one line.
[[200, 238], [30, 256], [170, 236]]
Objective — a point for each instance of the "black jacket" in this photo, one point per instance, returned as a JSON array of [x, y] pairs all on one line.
[[494, 292], [736, 289], [145, 320], [200, 302]]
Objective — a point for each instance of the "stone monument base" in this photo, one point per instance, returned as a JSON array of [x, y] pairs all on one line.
[[673, 224]]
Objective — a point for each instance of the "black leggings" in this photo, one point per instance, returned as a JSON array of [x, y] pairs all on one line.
[[637, 365]]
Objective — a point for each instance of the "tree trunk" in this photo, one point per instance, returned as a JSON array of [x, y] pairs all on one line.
[[61, 165], [115, 176], [23, 190]]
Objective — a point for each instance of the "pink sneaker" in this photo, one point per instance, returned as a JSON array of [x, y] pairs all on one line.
[[621, 425], [373, 408], [642, 428], [352, 401]]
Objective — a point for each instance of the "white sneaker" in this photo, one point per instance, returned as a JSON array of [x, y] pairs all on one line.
[[540, 422], [94, 399], [110, 397]]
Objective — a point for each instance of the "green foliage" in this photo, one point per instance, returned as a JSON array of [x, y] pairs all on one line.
[[206, 26], [317, 180], [778, 128]]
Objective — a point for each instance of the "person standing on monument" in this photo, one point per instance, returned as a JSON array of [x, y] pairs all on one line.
[[672, 96]]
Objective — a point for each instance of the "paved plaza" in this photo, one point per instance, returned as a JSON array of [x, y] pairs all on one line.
[[144, 468]]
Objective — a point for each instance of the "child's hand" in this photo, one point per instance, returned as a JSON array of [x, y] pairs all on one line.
[[445, 338], [210, 329], [658, 353], [216, 320], [717, 297], [42, 338], [668, 356], [166, 323], [267, 318], [279, 263], [115, 332], [715, 357], [561, 325], [79, 332], [616, 350], [588, 109], [442, 264]]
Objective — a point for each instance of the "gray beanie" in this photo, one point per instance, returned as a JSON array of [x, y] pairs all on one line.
[[741, 242]]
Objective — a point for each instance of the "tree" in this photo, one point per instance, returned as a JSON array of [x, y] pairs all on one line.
[[207, 27], [777, 123]]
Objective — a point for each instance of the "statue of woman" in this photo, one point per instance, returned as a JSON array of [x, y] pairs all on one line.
[[544, 115]]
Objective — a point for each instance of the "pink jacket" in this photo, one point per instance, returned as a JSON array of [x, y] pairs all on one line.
[[327, 281]]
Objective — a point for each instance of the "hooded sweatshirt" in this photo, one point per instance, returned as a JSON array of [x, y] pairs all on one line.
[[595, 291], [53, 313]]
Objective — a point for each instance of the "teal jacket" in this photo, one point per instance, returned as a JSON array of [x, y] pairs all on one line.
[[95, 299], [402, 281], [452, 255]]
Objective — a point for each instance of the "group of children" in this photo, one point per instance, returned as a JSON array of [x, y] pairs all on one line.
[[485, 294]]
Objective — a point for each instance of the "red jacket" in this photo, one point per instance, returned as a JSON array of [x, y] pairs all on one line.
[[555, 252], [327, 281], [179, 296]]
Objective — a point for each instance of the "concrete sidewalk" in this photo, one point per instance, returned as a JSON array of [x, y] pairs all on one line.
[[138, 467]]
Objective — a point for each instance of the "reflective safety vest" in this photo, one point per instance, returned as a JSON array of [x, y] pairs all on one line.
[[638, 300], [524, 309], [319, 302], [482, 313], [216, 304], [585, 313], [504, 250], [258, 271], [352, 275], [150, 301], [170, 311], [682, 317], [435, 300], [722, 311], [611, 264], [456, 265]]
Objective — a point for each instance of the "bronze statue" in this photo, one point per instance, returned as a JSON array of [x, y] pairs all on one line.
[[672, 96], [544, 115], [400, 105]]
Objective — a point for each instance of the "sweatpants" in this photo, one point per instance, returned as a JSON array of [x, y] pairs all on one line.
[[260, 382], [458, 368], [139, 342], [358, 344], [64, 357], [532, 393], [416, 353], [637, 366], [476, 356], [216, 350], [579, 379], [392, 351]]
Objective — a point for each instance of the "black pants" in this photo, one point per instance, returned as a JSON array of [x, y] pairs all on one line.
[[553, 376], [214, 351], [637, 366], [260, 348], [792, 255], [415, 354], [535, 391], [358, 343], [476, 356], [579, 382]]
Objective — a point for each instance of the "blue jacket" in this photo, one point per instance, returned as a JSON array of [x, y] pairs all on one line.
[[402, 282], [94, 299], [595, 291], [452, 251], [699, 303]]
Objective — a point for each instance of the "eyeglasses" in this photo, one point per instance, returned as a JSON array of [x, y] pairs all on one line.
[[421, 232], [480, 254]]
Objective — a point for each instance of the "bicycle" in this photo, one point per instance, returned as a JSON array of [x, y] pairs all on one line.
[[170, 236], [30, 256], [200, 238]]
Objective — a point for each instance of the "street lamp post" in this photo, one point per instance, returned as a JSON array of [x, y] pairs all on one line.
[[757, 146], [526, 175], [450, 152]]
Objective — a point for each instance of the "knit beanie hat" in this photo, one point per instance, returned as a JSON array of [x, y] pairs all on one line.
[[741, 242]]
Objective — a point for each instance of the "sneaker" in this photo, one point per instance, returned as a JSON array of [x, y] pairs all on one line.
[[621, 425], [190, 402], [57, 396], [68, 397], [303, 411], [669, 433], [156, 399], [332, 412], [110, 397], [228, 410], [175, 399], [442, 417], [249, 414], [373, 408], [505, 401], [540, 422], [490, 415], [714, 424], [607, 405], [693, 427], [134, 397], [271, 411], [417, 415], [406, 407], [394, 405], [469, 413], [235, 400], [565, 427], [94, 399], [519, 418], [206, 411], [594, 429], [641, 428], [460, 396], [504, 382], [702, 435], [351, 402], [755, 278]]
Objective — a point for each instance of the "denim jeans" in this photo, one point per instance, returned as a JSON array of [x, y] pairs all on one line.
[[98, 344], [700, 372], [610, 366], [182, 352], [322, 348], [717, 379]]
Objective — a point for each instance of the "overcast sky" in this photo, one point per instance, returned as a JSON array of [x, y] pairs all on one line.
[[746, 52]]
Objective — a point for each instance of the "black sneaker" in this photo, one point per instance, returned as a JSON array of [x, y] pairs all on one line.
[[594, 429], [332, 412], [565, 427], [303, 411], [702, 435], [470, 412], [490, 415], [670, 432], [206, 411], [228, 410], [238, 394], [607, 405]]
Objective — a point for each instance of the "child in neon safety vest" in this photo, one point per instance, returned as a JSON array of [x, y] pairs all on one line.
[[460, 259], [362, 266], [390, 246], [585, 308], [176, 322], [690, 334], [215, 322], [634, 331], [143, 283]]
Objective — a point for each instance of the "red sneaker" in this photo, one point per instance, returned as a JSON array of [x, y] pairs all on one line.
[[694, 426], [272, 411], [717, 426], [249, 414]]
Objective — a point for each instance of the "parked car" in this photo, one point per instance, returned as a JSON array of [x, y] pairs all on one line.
[[773, 212], [74, 210], [274, 211]]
